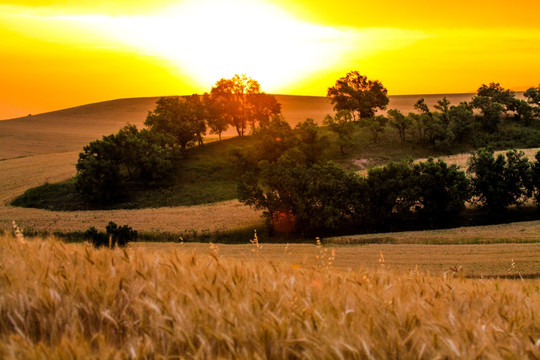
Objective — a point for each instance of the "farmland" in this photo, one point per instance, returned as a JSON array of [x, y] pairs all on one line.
[[471, 292], [148, 303]]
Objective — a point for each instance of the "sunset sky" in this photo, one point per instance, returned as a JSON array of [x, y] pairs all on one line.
[[56, 54]]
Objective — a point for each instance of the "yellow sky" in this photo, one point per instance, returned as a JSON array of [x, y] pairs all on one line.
[[55, 54]]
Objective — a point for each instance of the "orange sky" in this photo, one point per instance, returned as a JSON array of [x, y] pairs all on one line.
[[56, 54]]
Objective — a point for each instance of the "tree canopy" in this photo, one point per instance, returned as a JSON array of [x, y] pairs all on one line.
[[357, 94], [241, 102]]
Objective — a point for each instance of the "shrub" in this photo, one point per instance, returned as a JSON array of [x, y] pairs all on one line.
[[114, 236], [97, 238]]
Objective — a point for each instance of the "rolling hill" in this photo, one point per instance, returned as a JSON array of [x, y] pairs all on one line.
[[70, 129]]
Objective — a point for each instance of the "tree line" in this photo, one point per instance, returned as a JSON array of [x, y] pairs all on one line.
[[301, 193], [357, 99], [322, 198]]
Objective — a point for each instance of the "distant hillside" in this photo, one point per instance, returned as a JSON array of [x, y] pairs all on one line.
[[70, 129]]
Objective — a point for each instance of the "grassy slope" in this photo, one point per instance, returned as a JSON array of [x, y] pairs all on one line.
[[179, 303], [71, 129]]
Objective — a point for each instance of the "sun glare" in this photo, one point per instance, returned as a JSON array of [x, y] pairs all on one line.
[[210, 39]]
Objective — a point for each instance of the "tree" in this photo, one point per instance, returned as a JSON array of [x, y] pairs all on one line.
[[443, 105], [376, 126], [264, 107], [342, 126], [243, 103], [217, 116], [400, 122], [493, 101], [106, 165], [357, 94], [499, 182], [184, 119], [276, 138], [442, 190], [421, 106], [491, 112], [522, 111], [533, 98], [98, 171], [388, 189], [496, 93], [316, 200], [461, 121], [310, 143]]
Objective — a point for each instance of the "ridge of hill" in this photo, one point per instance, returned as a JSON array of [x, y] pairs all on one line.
[[70, 129]]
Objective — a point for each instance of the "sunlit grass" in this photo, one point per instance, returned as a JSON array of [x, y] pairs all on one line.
[[73, 301]]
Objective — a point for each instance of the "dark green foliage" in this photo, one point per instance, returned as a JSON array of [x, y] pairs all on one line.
[[461, 121], [399, 121], [98, 171], [443, 106], [276, 138], [182, 118], [522, 111], [422, 107], [441, 190], [325, 199], [390, 192], [376, 125], [98, 239], [121, 235], [106, 165], [310, 142], [318, 198], [498, 182], [493, 101], [341, 125], [535, 178], [357, 94], [114, 236]]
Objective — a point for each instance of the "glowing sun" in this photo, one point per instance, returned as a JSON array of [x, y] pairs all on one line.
[[211, 39]]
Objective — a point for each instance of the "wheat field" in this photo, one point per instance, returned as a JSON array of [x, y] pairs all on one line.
[[71, 301]]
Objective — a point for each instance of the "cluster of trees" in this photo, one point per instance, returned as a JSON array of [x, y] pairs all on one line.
[[151, 155], [325, 199], [131, 155], [356, 99]]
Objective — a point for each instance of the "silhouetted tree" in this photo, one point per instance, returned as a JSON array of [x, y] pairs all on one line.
[[243, 103], [493, 101], [443, 105], [357, 94]]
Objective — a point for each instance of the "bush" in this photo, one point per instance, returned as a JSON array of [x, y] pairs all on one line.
[[97, 238], [114, 236]]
